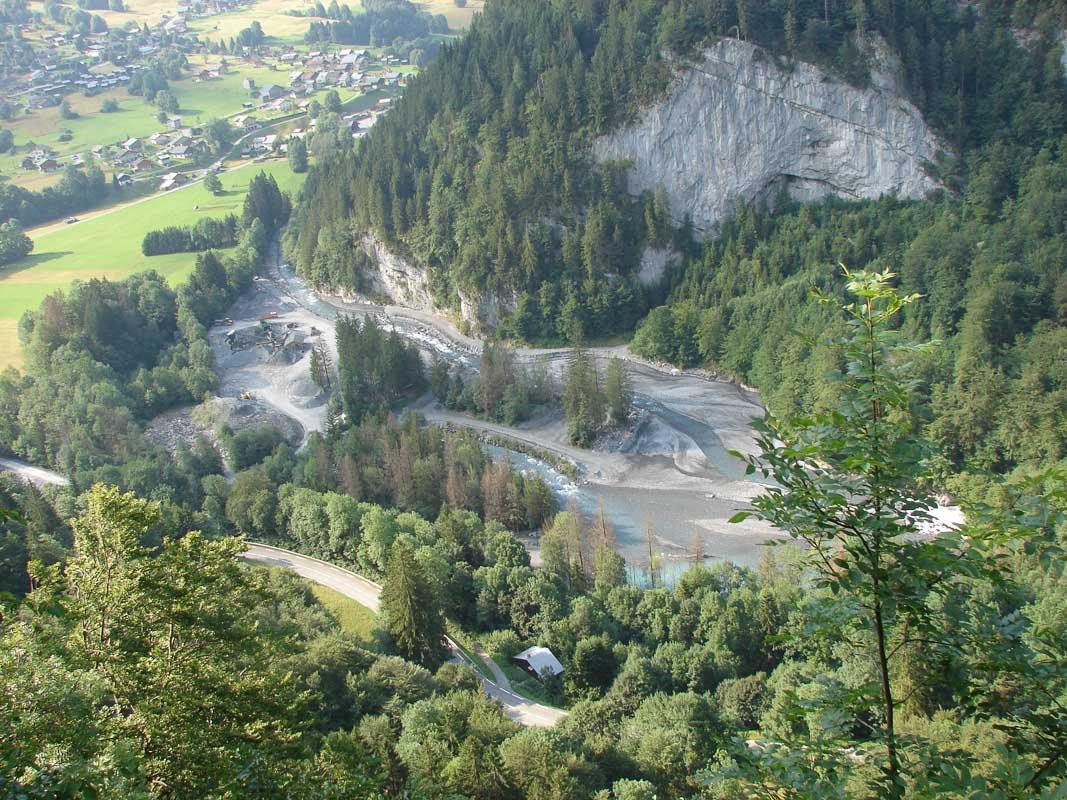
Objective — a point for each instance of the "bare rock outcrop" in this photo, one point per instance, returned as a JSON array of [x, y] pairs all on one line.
[[737, 126], [407, 284], [403, 282]]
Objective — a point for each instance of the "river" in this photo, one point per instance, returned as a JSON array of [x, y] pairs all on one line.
[[671, 471]]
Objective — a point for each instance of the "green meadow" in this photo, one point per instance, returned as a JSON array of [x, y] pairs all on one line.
[[108, 245]]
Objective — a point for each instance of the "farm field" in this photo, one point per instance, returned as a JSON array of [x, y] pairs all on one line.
[[109, 245], [458, 18], [279, 25]]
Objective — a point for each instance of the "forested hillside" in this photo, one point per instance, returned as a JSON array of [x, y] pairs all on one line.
[[483, 174], [990, 264], [140, 658]]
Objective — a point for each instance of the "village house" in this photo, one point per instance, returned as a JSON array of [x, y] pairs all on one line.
[[175, 25], [126, 158], [270, 92], [539, 662], [172, 180], [264, 144], [246, 122]]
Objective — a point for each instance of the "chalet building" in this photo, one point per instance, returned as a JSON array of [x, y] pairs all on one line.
[[539, 662], [270, 92], [173, 180]]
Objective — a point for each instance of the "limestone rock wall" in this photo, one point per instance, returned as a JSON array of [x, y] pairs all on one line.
[[408, 284], [737, 126]]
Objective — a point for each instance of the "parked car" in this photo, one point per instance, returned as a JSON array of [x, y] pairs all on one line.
[[71, 220]]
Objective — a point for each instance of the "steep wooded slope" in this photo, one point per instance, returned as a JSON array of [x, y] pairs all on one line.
[[483, 174]]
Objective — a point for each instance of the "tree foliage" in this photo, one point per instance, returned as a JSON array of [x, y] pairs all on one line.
[[410, 605]]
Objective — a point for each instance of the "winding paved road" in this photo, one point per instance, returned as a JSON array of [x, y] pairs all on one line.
[[37, 475], [366, 593]]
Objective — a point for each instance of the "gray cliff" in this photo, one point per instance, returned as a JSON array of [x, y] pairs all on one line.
[[737, 126], [408, 284]]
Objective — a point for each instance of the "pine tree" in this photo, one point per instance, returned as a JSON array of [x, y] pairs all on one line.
[[617, 390], [791, 33], [583, 397], [412, 613], [320, 366]]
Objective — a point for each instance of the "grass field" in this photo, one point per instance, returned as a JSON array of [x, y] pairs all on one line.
[[458, 18], [109, 246], [353, 618], [271, 14]]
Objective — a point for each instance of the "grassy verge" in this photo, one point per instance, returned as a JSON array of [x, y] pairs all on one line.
[[353, 618], [464, 643]]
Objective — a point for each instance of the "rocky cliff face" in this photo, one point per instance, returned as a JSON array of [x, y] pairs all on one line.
[[396, 278], [407, 284], [738, 126]]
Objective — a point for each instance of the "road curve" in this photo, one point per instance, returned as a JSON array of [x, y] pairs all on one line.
[[37, 475], [367, 593]]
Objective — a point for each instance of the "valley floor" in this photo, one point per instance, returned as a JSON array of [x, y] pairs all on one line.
[[670, 471]]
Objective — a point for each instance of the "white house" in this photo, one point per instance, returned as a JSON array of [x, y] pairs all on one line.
[[539, 662]]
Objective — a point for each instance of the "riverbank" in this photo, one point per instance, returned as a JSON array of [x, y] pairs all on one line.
[[672, 473]]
